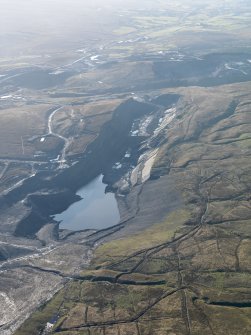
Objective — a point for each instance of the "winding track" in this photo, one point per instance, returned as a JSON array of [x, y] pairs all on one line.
[[51, 132]]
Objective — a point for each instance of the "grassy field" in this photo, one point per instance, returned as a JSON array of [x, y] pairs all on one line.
[[21, 122]]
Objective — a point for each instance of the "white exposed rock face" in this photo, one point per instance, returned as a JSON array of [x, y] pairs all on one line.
[[148, 164], [168, 117], [142, 171]]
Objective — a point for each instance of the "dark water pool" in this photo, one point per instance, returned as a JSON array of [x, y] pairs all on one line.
[[97, 209]]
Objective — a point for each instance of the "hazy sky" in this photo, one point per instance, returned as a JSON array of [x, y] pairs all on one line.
[[23, 14], [26, 13], [28, 26], [51, 21]]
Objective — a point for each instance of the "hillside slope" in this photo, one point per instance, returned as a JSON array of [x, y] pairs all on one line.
[[188, 273]]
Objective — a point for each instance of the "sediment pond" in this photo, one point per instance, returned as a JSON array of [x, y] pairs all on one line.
[[96, 209]]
